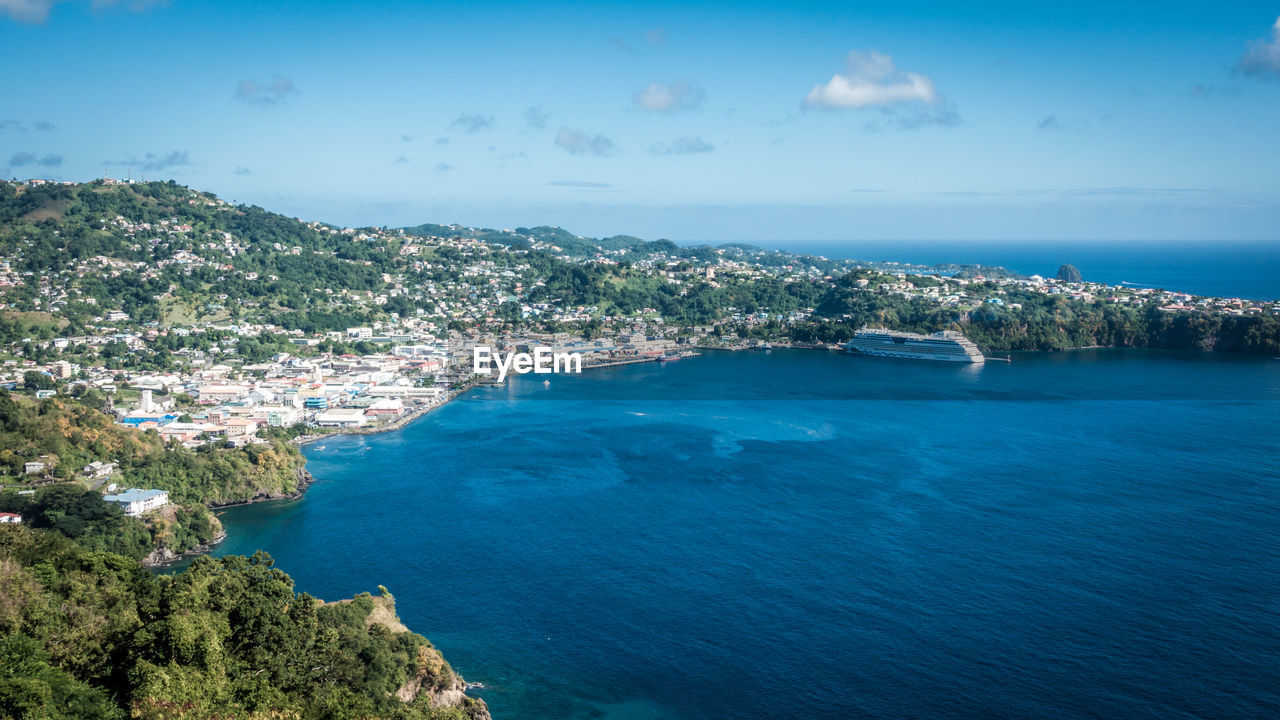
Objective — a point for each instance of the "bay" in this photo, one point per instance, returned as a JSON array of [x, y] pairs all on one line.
[[806, 534]]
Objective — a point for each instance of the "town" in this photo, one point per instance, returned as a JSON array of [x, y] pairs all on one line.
[[211, 324]]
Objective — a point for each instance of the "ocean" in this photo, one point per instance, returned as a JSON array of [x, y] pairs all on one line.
[[800, 534], [1246, 269]]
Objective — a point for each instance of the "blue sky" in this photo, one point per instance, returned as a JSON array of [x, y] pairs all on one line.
[[692, 121]]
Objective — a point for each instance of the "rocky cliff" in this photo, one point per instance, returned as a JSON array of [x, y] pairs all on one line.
[[434, 681]]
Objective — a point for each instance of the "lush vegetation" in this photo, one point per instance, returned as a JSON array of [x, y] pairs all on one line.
[[1043, 322], [82, 515], [66, 435], [44, 228], [625, 290], [88, 634]]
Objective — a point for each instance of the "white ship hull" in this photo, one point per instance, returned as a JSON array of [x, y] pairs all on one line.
[[945, 346]]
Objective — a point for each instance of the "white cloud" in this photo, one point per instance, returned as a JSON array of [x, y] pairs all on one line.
[[1263, 58], [471, 123], [577, 142], [580, 185], [166, 161], [259, 93], [677, 96], [20, 126], [21, 159], [37, 11], [158, 161], [682, 146], [535, 118], [872, 80]]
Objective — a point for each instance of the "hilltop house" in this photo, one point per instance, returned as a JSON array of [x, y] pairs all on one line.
[[98, 469]]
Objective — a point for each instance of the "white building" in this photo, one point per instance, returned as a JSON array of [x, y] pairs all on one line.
[[98, 469], [137, 501], [214, 394], [341, 418], [406, 392]]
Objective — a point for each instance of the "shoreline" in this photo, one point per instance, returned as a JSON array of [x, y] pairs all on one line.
[[398, 423], [306, 479]]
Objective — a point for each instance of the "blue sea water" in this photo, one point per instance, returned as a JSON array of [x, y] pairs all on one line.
[[800, 534], [1246, 269]]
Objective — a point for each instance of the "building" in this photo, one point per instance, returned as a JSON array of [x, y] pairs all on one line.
[[183, 432], [34, 467], [8, 517], [341, 418], [150, 402], [137, 501], [240, 427], [215, 394], [406, 392], [385, 407], [277, 416], [98, 469]]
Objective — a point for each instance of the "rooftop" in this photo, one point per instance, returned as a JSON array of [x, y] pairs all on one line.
[[133, 495]]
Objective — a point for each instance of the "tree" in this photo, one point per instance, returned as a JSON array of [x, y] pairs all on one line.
[[33, 380]]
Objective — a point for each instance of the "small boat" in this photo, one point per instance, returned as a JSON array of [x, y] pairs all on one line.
[[320, 447], [546, 383]]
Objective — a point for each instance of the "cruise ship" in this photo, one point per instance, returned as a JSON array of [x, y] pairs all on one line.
[[945, 345]]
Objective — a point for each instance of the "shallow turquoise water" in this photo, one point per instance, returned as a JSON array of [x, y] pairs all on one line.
[[802, 534]]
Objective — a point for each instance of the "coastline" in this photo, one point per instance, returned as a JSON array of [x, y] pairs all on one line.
[[306, 479], [396, 424], [448, 397], [469, 637]]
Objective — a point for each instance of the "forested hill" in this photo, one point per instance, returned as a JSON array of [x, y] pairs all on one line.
[[65, 435], [563, 243], [91, 635], [146, 248], [97, 257], [166, 254]]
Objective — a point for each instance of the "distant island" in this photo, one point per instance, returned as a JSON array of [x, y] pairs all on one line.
[[165, 352]]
